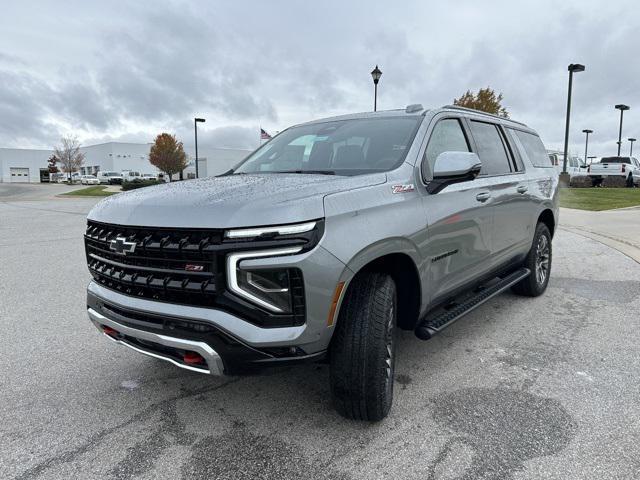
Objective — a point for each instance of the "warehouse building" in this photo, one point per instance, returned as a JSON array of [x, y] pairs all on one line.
[[31, 165]]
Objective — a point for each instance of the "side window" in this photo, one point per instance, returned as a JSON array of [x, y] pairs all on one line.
[[491, 148], [534, 149], [447, 136]]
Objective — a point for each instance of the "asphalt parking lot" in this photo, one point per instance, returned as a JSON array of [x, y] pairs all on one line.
[[520, 388]]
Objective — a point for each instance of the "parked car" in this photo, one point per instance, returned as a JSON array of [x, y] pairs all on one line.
[[575, 165], [325, 241], [627, 168], [130, 176], [75, 178], [89, 180], [111, 178], [57, 177], [149, 176]]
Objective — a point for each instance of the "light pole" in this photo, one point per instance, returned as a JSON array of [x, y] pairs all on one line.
[[195, 126], [622, 109], [376, 73], [586, 143], [631, 140], [574, 67]]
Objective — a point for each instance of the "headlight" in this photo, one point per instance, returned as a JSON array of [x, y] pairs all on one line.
[[280, 230], [270, 288]]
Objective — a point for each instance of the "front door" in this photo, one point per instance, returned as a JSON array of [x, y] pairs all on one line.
[[459, 218]]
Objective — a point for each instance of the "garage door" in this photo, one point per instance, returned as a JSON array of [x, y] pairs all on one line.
[[19, 174]]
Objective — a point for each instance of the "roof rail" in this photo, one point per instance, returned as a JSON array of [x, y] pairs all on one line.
[[473, 110], [414, 107]]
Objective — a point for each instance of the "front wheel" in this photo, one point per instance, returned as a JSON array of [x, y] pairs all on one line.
[[363, 349], [539, 262]]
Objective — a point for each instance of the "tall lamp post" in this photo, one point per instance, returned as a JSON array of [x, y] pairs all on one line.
[[376, 73], [622, 109], [586, 143], [195, 126], [631, 140], [574, 67]]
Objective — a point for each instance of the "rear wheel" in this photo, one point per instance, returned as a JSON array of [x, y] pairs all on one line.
[[539, 262], [630, 181], [362, 352]]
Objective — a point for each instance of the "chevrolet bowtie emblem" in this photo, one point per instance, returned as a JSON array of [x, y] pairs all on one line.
[[121, 245]]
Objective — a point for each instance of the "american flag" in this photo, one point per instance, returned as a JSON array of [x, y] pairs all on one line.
[[264, 135]]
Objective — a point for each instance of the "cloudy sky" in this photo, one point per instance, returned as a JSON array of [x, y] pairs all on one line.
[[122, 70]]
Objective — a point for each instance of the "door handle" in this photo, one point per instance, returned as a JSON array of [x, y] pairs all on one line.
[[483, 196], [522, 189]]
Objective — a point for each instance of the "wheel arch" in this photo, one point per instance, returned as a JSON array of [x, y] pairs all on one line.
[[402, 267], [548, 218]]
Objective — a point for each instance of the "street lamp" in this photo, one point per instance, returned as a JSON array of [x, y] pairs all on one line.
[[574, 67], [622, 109], [195, 126], [631, 140], [586, 143], [376, 73]]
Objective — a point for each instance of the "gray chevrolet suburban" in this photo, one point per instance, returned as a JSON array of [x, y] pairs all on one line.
[[323, 242]]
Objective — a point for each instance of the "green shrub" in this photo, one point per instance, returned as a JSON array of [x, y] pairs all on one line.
[[139, 184]]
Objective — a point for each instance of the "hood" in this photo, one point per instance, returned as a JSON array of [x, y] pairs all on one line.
[[228, 202]]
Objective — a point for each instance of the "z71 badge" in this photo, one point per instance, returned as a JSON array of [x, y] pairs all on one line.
[[409, 187]]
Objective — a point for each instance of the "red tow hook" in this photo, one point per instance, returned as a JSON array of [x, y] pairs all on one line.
[[192, 358], [109, 331]]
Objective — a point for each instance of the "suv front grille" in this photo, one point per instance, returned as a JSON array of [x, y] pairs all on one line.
[[184, 266], [174, 266]]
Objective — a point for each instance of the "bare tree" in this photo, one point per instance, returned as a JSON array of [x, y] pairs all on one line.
[[69, 155]]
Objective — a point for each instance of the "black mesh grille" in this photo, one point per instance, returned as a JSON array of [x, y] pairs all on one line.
[[181, 266]]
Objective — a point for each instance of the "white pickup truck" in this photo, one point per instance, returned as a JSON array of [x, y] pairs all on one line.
[[624, 167], [575, 166]]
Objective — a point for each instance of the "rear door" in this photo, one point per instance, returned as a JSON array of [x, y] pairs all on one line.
[[457, 246], [506, 180]]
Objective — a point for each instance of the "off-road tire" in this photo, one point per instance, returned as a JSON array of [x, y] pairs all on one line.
[[539, 255], [362, 351]]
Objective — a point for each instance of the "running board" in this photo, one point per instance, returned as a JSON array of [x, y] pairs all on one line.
[[430, 326]]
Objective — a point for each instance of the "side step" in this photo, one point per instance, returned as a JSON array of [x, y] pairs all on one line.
[[431, 325]]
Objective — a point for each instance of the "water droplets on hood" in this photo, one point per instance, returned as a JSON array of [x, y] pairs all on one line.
[[228, 201]]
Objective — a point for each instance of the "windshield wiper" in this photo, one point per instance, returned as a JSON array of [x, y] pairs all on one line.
[[311, 172], [230, 172]]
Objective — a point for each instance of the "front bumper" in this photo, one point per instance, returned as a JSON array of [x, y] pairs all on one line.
[[131, 337], [228, 343]]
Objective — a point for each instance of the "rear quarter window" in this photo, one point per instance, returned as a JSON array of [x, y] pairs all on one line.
[[533, 148]]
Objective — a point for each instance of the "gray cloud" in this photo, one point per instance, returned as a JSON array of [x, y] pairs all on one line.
[[123, 70]]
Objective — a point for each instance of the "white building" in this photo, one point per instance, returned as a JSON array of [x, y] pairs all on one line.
[[30, 165]]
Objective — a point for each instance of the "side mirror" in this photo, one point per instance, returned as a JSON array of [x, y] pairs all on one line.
[[454, 167]]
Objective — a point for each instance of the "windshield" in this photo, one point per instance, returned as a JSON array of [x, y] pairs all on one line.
[[342, 147]]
